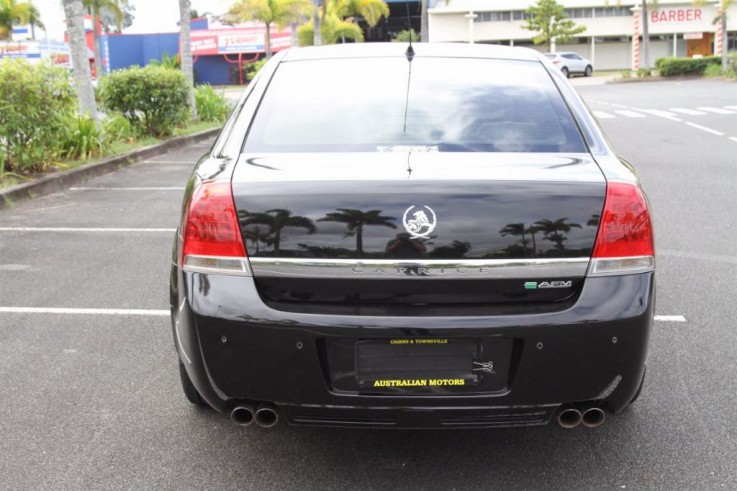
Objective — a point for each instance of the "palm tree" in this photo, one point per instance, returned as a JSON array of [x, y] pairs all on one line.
[[276, 220], [721, 18], [185, 51], [34, 19], [74, 13], [355, 220], [371, 10], [13, 13], [555, 230], [279, 12], [95, 8], [338, 21]]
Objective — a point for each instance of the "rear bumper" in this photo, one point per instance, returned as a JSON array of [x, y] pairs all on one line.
[[236, 349]]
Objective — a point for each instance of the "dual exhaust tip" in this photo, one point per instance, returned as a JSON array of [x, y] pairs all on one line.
[[591, 417], [264, 415]]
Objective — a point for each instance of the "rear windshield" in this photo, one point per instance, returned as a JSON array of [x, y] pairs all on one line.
[[551, 55], [430, 104]]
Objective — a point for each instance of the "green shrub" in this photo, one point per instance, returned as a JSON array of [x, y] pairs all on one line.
[[211, 105], [117, 128], [154, 99], [35, 104], [713, 71], [672, 67], [626, 74], [83, 139], [251, 69], [643, 72], [167, 61]]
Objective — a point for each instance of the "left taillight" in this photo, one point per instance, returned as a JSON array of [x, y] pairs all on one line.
[[210, 236]]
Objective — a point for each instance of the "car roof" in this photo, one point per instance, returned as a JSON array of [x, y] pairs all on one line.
[[432, 50]]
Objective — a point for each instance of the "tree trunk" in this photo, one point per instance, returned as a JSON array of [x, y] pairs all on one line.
[[268, 40], [185, 52], [424, 20], [96, 43], [316, 37], [74, 13]]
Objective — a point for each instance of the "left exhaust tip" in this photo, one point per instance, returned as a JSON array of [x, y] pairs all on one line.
[[242, 415]]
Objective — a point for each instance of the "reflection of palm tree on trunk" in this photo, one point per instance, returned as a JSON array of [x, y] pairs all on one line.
[[276, 220], [555, 230], [520, 229], [515, 229], [256, 236], [355, 220]]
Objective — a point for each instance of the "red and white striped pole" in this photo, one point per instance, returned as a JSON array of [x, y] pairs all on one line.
[[719, 40], [636, 11]]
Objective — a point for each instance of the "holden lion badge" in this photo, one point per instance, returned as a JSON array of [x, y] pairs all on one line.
[[419, 221]]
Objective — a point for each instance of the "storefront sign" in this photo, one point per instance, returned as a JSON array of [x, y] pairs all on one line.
[[675, 15], [239, 40], [693, 35]]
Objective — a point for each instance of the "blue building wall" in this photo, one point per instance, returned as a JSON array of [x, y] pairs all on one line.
[[139, 49]]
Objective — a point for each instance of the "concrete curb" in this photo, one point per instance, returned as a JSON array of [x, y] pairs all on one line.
[[58, 181]]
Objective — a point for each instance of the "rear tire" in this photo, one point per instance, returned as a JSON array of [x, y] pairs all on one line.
[[565, 72], [190, 392], [588, 72]]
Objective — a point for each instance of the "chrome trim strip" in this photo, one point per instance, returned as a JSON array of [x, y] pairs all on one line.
[[413, 268]]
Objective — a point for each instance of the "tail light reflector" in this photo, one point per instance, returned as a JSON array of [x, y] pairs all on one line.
[[624, 242], [210, 236]]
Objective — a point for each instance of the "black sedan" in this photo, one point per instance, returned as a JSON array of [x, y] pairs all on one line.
[[435, 235]]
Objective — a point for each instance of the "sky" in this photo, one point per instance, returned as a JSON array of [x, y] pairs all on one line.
[[150, 15]]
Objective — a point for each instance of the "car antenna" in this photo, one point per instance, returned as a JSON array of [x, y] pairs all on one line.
[[410, 53]]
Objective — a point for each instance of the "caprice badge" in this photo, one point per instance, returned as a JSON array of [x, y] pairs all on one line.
[[419, 221]]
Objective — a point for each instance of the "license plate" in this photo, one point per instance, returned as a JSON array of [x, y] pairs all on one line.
[[421, 364]]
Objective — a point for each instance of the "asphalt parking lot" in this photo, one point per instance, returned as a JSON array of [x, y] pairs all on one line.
[[92, 396]]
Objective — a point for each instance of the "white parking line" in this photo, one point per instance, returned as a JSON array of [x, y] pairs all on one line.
[[50, 310], [603, 115], [689, 112], [630, 114], [94, 230], [662, 114], [733, 138], [715, 110], [734, 108], [101, 188], [704, 128], [164, 313]]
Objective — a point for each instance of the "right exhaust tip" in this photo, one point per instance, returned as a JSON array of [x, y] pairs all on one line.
[[569, 418], [266, 415], [593, 417]]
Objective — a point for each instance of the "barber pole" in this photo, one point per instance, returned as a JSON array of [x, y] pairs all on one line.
[[719, 39], [636, 39]]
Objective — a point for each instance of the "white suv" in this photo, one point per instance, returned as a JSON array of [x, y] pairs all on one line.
[[571, 63]]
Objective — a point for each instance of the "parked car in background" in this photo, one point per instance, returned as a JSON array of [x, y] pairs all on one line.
[[371, 242], [570, 63]]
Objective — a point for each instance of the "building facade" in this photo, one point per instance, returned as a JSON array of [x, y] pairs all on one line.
[[677, 28]]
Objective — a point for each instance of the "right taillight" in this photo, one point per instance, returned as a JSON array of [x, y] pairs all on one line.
[[624, 243]]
